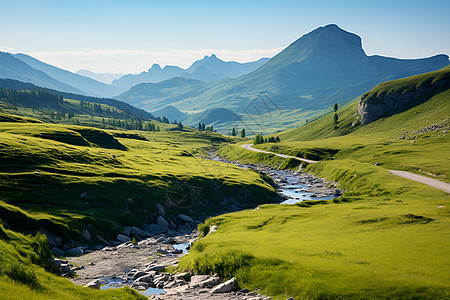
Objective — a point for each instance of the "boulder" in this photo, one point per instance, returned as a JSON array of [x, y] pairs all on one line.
[[161, 221], [65, 268], [225, 287], [154, 268], [140, 285], [158, 229], [127, 230], [75, 251], [146, 278], [102, 240], [161, 210], [210, 282], [186, 218], [136, 231], [94, 284], [139, 274], [173, 225], [123, 238]]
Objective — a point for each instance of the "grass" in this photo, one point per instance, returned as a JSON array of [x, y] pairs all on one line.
[[66, 179], [384, 239]]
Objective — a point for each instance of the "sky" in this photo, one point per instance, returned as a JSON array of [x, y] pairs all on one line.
[[129, 36]]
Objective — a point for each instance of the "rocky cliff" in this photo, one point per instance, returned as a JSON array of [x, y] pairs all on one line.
[[395, 96]]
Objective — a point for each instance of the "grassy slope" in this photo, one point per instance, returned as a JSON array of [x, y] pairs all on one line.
[[385, 238], [378, 142], [45, 168], [22, 278]]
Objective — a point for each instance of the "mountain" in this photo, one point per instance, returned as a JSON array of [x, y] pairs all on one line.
[[154, 74], [168, 91], [213, 116], [170, 113], [210, 69], [106, 78], [13, 68], [85, 84], [323, 67]]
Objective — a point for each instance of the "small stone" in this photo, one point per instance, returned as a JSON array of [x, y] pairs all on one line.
[[94, 284]]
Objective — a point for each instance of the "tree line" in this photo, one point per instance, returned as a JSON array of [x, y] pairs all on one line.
[[259, 139]]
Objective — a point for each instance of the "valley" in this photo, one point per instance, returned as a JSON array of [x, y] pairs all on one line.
[[320, 172]]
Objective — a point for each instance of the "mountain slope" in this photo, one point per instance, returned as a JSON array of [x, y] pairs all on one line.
[[209, 69], [88, 85], [13, 68], [170, 113]]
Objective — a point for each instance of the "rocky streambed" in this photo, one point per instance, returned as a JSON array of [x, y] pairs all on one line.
[[141, 265]]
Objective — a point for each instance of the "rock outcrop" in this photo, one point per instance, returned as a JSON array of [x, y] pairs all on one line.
[[395, 96]]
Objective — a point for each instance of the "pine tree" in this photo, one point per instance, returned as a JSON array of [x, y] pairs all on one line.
[[243, 133], [336, 118], [200, 126], [335, 107]]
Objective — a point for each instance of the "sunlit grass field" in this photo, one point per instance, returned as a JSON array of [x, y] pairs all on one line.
[[386, 238]]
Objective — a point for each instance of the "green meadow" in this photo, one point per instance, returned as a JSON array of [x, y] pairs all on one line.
[[385, 238]]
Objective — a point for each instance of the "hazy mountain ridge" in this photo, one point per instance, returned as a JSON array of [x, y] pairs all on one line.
[[14, 68], [106, 78], [85, 84], [209, 69]]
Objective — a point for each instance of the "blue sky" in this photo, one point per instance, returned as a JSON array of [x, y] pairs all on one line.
[[129, 36]]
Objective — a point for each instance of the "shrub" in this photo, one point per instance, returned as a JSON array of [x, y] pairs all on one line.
[[225, 264], [20, 273]]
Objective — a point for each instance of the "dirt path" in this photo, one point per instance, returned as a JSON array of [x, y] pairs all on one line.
[[249, 147], [426, 180], [422, 179]]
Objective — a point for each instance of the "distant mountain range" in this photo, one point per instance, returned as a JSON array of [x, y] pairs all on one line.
[[102, 77], [14, 68], [28, 69], [209, 69], [85, 84], [322, 67], [326, 66]]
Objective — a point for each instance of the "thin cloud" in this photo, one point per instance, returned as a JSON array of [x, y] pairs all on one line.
[[132, 61]]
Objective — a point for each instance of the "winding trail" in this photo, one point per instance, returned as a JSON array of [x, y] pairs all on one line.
[[249, 147], [444, 186]]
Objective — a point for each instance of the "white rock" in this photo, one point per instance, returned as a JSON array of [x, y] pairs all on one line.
[[94, 284], [225, 287]]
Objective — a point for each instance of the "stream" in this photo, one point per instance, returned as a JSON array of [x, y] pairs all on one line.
[[118, 266]]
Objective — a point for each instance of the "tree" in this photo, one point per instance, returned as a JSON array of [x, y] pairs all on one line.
[[335, 107], [259, 139], [277, 139], [200, 126], [203, 126], [336, 118], [243, 133], [180, 126], [233, 132]]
